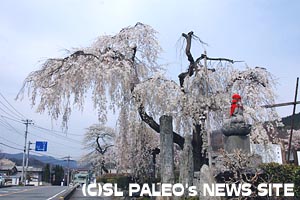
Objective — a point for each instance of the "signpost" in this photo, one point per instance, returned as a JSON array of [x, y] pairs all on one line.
[[40, 146]]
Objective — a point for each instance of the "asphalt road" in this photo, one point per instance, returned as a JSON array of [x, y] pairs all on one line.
[[77, 195], [31, 192]]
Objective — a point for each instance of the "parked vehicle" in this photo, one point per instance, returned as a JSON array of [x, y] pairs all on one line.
[[2, 181], [80, 178]]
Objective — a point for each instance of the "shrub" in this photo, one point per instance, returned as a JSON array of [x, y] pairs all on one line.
[[276, 173], [122, 180]]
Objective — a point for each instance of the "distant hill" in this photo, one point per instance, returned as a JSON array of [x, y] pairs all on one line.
[[287, 121], [38, 161]]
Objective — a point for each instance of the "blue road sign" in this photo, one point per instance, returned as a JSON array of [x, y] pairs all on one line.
[[40, 146]]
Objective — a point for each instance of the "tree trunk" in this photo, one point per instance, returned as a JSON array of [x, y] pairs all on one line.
[[198, 156], [197, 142]]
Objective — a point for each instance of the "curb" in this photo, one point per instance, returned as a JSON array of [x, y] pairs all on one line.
[[5, 186], [68, 193]]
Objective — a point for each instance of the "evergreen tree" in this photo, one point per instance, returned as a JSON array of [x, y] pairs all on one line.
[[46, 173]]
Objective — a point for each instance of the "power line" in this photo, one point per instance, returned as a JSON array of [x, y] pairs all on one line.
[[17, 112], [10, 126], [10, 141], [8, 113], [5, 125], [54, 133], [10, 146], [39, 127], [38, 136], [15, 120]]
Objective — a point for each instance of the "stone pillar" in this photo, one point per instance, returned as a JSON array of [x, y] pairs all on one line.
[[166, 149], [187, 163], [237, 142]]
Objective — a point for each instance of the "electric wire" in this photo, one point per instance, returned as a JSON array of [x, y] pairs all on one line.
[[11, 127], [10, 146], [14, 115], [16, 111], [8, 113], [38, 136], [54, 133], [10, 141], [19, 121]]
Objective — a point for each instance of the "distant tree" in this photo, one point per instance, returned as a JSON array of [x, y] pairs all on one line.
[[123, 74], [131, 152], [59, 175], [99, 140], [288, 120], [46, 173]]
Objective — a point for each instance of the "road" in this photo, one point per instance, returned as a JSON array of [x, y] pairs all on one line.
[[31, 192], [79, 195]]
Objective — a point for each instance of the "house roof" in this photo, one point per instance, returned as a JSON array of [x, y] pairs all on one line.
[[6, 167], [30, 169]]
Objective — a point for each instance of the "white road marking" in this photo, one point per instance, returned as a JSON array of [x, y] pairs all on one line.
[[56, 194]]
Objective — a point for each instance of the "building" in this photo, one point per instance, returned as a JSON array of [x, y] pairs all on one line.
[[9, 172], [34, 175]]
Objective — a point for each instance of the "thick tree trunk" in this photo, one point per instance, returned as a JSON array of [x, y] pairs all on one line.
[[198, 156], [197, 143]]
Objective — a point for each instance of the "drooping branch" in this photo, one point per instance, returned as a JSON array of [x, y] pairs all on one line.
[[74, 55]]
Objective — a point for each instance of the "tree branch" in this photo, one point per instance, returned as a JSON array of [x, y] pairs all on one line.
[[99, 149], [190, 57], [178, 139], [216, 59]]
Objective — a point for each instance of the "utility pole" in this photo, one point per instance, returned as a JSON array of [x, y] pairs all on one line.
[[68, 169], [293, 118], [27, 158], [26, 122], [295, 102]]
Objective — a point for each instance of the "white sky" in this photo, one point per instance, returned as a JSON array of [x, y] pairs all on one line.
[[262, 33]]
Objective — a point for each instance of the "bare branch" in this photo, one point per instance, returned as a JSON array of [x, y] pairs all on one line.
[[99, 149], [216, 59], [188, 53], [178, 139]]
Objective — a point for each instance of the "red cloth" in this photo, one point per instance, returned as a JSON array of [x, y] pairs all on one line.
[[233, 107], [236, 96], [235, 103]]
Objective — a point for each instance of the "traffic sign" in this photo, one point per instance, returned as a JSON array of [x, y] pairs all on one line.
[[40, 146]]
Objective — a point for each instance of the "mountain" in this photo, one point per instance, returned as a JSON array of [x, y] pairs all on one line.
[[287, 121], [39, 161]]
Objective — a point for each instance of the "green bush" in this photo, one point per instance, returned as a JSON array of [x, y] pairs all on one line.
[[121, 179], [276, 173]]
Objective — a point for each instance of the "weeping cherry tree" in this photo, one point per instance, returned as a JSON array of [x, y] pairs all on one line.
[[123, 74], [99, 141]]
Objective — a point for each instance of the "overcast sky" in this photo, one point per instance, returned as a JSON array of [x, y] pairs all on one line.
[[262, 33]]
